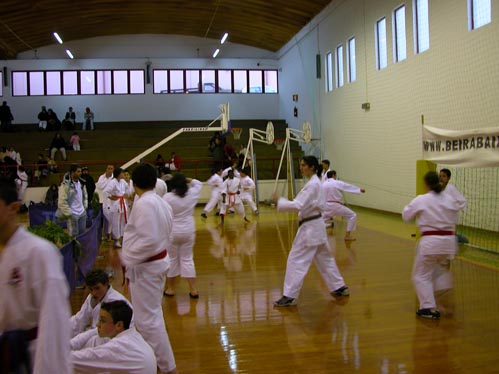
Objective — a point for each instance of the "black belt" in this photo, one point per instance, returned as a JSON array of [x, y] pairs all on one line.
[[311, 218], [14, 351]]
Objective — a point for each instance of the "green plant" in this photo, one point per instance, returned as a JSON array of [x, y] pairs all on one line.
[[95, 205], [56, 234]]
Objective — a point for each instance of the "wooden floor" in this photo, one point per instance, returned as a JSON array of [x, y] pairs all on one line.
[[233, 327]]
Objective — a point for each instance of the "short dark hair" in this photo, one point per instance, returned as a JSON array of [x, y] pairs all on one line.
[[8, 190], [312, 162], [144, 176], [178, 184], [446, 172], [119, 311], [74, 167], [326, 162], [117, 172], [95, 276], [331, 173], [432, 181], [246, 171]]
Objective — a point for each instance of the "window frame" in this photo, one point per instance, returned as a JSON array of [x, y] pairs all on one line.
[[377, 44], [417, 32], [349, 59], [395, 34], [340, 75]]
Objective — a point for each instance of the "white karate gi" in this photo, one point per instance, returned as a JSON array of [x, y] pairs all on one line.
[[147, 234], [183, 231], [126, 353], [247, 186], [215, 182], [310, 243], [161, 189], [101, 185], [324, 175], [433, 212], [454, 193], [88, 315], [87, 339], [334, 205], [225, 172], [118, 210], [34, 292], [230, 188]]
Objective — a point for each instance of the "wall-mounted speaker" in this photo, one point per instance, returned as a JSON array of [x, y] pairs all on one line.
[[148, 73], [318, 66], [5, 79]]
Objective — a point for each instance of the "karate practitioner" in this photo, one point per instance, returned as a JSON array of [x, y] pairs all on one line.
[[225, 173], [451, 190], [34, 294], [101, 185], [311, 242], [334, 205], [183, 200], [231, 198], [125, 353], [101, 291], [325, 168], [247, 186], [215, 182], [147, 236], [436, 215], [117, 190]]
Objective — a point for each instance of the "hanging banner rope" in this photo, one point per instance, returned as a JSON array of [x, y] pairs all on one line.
[[467, 148]]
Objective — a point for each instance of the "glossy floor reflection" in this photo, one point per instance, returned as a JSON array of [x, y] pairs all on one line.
[[233, 327]]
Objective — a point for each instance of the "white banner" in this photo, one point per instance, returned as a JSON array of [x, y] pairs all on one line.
[[471, 148]]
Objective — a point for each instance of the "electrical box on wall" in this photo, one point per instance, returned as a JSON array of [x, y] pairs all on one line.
[[366, 106]]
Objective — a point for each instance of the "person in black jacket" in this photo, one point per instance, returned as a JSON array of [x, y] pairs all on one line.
[[42, 119], [6, 117], [58, 144], [89, 183]]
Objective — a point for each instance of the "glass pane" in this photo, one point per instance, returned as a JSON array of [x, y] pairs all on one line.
[[69, 83], [208, 79], [240, 81], [20, 83], [481, 13], [87, 82], [255, 77], [104, 82], [224, 81], [381, 43], [160, 81], [352, 67], [339, 66], [137, 85], [36, 83], [176, 81], [270, 80], [400, 40], [192, 80], [120, 81], [53, 82], [422, 26], [329, 72]]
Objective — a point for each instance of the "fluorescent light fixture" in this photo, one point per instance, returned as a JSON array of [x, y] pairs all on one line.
[[224, 38], [56, 35], [69, 54], [216, 53]]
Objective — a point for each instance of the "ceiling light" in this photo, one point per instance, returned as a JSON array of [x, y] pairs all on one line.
[[216, 53], [56, 35], [69, 54], [224, 38]]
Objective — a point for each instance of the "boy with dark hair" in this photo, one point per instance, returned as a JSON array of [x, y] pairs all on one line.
[[125, 352], [101, 291], [73, 201], [34, 293]]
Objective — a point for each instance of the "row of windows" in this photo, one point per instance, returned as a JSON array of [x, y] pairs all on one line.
[[339, 72], [126, 82]]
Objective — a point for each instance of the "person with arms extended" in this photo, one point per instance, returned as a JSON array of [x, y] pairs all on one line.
[[145, 241], [311, 242], [436, 215], [34, 294]]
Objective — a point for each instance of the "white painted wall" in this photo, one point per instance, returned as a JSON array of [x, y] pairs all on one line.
[[454, 84]]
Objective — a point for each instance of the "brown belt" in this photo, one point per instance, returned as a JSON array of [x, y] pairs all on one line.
[[158, 256], [311, 218], [438, 232]]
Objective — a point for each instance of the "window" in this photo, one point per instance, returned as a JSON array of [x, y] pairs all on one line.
[[329, 72], [225, 81], [104, 82], [176, 81], [87, 82], [380, 34], [160, 81], [352, 67], [339, 66], [208, 79], [240, 81], [19, 83], [36, 83], [53, 81], [137, 85], [120, 81], [69, 83], [421, 26], [255, 81], [270, 81], [192, 81], [480, 13], [399, 39]]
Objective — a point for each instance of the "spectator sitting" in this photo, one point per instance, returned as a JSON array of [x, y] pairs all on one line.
[[69, 119], [58, 144], [42, 167], [53, 122], [175, 162], [160, 162], [52, 165], [16, 156], [42, 119], [75, 141], [88, 119], [52, 195]]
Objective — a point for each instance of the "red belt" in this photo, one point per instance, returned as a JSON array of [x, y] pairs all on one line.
[[232, 199], [438, 232], [123, 206], [158, 256]]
